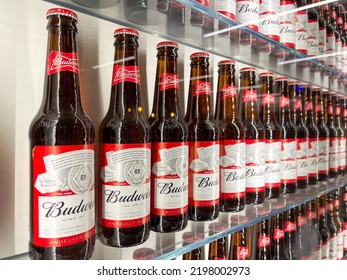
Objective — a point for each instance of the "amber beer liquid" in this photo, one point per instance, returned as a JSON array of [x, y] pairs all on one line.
[[169, 183], [203, 139], [62, 141], [272, 135], [279, 249], [125, 156], [231, 140], [254, 136]]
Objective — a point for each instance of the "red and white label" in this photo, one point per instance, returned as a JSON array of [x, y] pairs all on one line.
[[263, 241], [345, 236], [62, 61], [297, 104], [249, 95], [301, 158], [288, 161], [232, 168], [323, 156], [322, 41], [270, 25], [226, 8], [332, 247], [169, 81], [325, 250], [342, 152], [125, 179], [312, 40], [63, 195], [123, 74], [284, 102], [334, 154], [289, 226], [255, 166], [339, 245], [203, 173], [272, 164], [301, 36], [229, 91], [287, 24], [308, 106], [268, 99], [169, 194], [302, 221], [313, 157], [278, 234], [247, 12], [242, 253], [330, 50], [201, 88]]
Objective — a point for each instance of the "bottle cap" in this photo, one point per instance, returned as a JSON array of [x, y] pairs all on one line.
[[143, 254], [167, 44], [245, 69], [263, 74], [128, 31], [306, 85], [281, 79], [61, 12], [199, 54], [316, 89], [293, 83], [226, 62]]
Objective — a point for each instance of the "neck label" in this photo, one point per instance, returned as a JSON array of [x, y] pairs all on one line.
[[62, 61]]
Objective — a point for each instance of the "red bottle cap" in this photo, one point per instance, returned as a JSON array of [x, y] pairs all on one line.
[[280, 79], [245, 69], [263, 74], [306, 85], [167, 44], [128, 31], [199, 54], [226, 62], [61, 12]]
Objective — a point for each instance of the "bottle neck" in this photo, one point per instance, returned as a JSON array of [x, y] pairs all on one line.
[[62, 81], [249, 99], [331, 115], [268, 112], [320, 110], [284, 102]]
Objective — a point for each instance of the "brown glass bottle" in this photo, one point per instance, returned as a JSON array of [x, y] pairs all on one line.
[[341, 136], [313, 231], [338, 223], [263, 246], [322, 35], [303, 232], [331, 40], [323, 227], [312, 31], [343, 116], [343, 216], [291, 235], [333, 137], [203, 139], [117, 138], [62, 133], [313, 135], [254, 136], [323, 144], [288, 138], [279, 249], [272, 135], [169, 186], [231, 140], [331, 226], [240, 245], [218, 249]]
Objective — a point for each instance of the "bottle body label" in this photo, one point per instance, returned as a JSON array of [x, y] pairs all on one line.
[[288, 161], [301, 31], [322, 41], [332, 247], [287, 24], [123, 74], [272, 164], [323, 156], [330, 49], [333, 154], [62, 61], [203, 173], [312, 40], [226, 7], [339, 245], [325, 250], [247, 12], [312, 157], [342, 152], [232, 168], [169, 178], [63, 195], [125, 178], [169, 81], [344, 236], [254, 169], [302, 159], [270, 23]]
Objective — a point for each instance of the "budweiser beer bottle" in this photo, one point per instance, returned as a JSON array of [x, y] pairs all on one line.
[[263, 245], [331, 40], [291, 235], [231, 140], [279, 249], [322, 34], [272, 136], [240, 245], [332, 227], [62, 142], [169, 186], [343, 215], [203, 139], [287, 23], [254, 136], [288, 139], [301, 21], [124, 152], [313, 231], [338, 223], [341, 136], [343, 116], [312, 31], [218, 249], [341, 57], [197, 253], [323, 227], [333, 138], [247, 12], [226, 8], [303, 232], [323, 144], [344, 47]]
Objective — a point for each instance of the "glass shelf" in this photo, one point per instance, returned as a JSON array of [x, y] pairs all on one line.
[[167, 246], [172, 21]]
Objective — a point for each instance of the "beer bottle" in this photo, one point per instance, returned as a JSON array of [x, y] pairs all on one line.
[[203, 139], [341, 136], [240, 245], [313, 135], [344, 47], [338, 223], [231, 140], [323, 227], [343, 116], [312, 31], [124, 155], [303, 232], [331, 40], [169, 185], [254, 136], [263, 246], [301, 21], [322, 34], [279, 249], [62, 143], [287, 23], [197, 253], [272, 135], [332, 227], [323, 142], [313, 231], [341, 43], [197, 18], [291, 235], [333, 138], [295, 92], [343, 215], [218, 249], [288, 138]]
